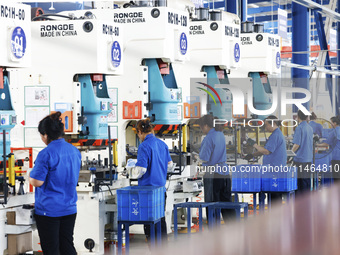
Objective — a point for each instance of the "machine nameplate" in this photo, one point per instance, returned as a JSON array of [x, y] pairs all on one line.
[[130, 17], [231, 31], [57, 30], [245, 40], [110, 30], [12, 12], [273, 42], [176, 19], [196, 30]]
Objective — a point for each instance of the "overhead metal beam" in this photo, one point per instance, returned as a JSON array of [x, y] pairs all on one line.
[[273, 16], [267, 18], [325, 2], [311, 68], [259, 1], [267, 9], [318, 7]]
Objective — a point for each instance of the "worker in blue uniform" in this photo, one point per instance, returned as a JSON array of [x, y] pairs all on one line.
[[153, 160], [303, 148], [333, 141], [55, 177], [274, 151], [213, 153], [317, 127]]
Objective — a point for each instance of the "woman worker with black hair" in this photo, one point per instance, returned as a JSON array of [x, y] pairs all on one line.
[[55, 176], [153, 160]]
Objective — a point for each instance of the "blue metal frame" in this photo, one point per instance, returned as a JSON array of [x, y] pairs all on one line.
[[220, 110], [238, 7], [244, 10], [300, 42], [231, 6], [261, 94], [215, 5], [324, 46], [164, 94], [96, 107]]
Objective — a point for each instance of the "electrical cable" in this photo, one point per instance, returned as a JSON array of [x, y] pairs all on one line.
[[101, 191], [46, 18], [107, 185], [104, 184], [129, 125], [43, 16]]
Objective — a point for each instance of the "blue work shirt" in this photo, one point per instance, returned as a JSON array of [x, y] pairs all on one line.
[[334, 141], [213, 151], [303, 137], [317, 128], [153, 154], [58, 166], [277, 146]]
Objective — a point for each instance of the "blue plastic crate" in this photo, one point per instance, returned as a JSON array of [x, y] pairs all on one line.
[[140, 203], [279, 180], [294, 182], [246, 178]]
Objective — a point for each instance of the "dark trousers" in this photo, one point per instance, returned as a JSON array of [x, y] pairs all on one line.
[[217, 188], [56, 234], [164, 233], [304, 177], [276, 197]]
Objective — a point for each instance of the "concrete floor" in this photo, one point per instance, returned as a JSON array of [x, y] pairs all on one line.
[[139, 246]]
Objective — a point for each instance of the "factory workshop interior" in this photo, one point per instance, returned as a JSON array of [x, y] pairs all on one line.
[[170, 127]]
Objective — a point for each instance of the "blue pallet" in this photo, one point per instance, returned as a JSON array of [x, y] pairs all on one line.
[[140, 203], [246, 181], [279, 181]]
